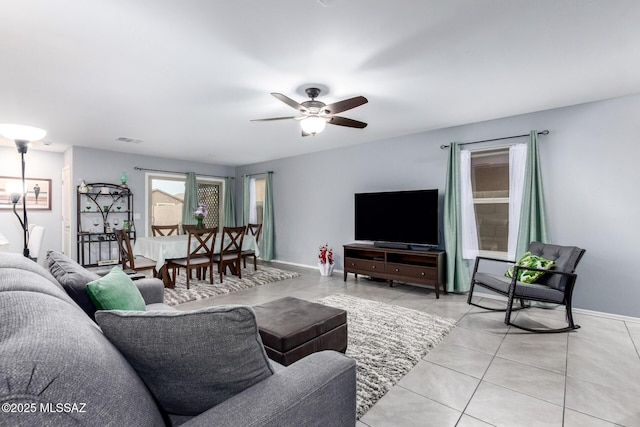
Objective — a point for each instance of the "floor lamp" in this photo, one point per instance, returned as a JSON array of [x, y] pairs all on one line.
[[22, 135]]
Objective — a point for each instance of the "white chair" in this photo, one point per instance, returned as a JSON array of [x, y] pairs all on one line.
[[36, 234]]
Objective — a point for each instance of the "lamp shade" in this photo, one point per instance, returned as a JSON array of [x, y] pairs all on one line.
[[22, 132], [15, 186], [313, 124]]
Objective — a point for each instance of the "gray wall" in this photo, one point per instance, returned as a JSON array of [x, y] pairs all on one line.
[[590, 175], [38, 164], [106, 166]]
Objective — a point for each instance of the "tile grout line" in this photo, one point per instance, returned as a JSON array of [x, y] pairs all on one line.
[[482, 379], [632, 340]]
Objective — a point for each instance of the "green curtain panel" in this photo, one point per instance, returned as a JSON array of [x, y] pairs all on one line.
[[533, 221], [246, 199], [458, 278], [229, 211], [190, 199], [268, 233]]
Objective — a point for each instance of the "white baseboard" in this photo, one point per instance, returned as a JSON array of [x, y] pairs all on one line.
[[500, 297], [313, 267]]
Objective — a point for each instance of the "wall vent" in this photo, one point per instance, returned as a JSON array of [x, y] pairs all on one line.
[[128, 140]]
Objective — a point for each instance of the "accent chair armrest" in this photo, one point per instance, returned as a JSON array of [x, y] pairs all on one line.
[[152, 290], [484, 258], [545, 271], [318, 390]]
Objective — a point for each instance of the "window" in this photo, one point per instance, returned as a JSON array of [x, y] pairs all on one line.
[[490, 187], [209, 195], [256, 200], [166, 196]]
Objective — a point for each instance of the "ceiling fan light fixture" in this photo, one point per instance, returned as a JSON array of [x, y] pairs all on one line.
[[313, 125]]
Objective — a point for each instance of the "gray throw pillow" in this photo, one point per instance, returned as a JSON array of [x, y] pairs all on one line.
[[74, 278], [190, 360]]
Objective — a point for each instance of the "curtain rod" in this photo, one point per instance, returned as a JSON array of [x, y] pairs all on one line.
[[256, 174], [182, 173], [544, 132]]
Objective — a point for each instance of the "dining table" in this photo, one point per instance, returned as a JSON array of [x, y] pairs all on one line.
[[164, 248]]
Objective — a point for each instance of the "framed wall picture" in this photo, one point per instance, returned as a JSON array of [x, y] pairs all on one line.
[[38, 192]]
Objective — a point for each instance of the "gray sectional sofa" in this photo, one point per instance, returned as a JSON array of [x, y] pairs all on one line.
[[57, 366]]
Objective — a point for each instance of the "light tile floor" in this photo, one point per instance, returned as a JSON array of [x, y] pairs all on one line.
[[485, 373]]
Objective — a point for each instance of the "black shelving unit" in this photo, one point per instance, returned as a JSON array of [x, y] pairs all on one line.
[[100, 210]]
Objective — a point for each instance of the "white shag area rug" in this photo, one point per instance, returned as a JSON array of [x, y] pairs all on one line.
[[386, 341], [199, 289]]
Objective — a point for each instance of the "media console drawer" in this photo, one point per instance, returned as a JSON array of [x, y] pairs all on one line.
[[423, 273], [412, 267], [364, 265]]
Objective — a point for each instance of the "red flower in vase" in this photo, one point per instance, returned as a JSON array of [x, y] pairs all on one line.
[[325, 256]]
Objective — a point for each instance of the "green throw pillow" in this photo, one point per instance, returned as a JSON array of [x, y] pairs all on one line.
[[533, 261], [115, 291]]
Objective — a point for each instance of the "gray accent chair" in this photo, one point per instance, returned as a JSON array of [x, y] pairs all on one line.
[[555, 286]]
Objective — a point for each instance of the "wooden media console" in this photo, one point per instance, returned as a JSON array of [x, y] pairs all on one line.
[[410, 266]]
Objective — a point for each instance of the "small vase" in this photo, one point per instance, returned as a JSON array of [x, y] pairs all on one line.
[[325, 269], [199, 225]]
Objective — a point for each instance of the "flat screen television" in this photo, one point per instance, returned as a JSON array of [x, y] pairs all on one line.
[[400, 217]]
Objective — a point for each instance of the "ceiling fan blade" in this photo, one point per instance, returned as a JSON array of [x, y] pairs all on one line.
[[290, 102], [347, 104], [273, 118], [343, 121]]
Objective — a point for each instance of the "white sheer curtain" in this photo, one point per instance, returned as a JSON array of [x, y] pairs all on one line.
[[469, 229], [253, 212], [517, 162]]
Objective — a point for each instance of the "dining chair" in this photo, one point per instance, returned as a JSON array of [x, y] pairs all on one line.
[[230, 251], [200, 242], [253, 230], [36, 234], [129, 261], [164, 230]]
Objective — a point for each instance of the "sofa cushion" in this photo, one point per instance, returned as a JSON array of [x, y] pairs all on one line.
[[190, 360], [18, 273], [115, 291], [73, 278], [51, 352], [16, 260]]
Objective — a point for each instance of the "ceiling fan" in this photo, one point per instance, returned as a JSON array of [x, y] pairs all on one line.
[[316, 114]]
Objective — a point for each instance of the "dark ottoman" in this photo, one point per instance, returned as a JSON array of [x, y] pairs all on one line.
[[292, 328]]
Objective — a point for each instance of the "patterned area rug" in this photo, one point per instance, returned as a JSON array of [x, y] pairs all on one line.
[[386, 341], [199, 289]]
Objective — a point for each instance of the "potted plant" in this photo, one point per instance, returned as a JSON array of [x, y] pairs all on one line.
[[200, 214], [325, 260]]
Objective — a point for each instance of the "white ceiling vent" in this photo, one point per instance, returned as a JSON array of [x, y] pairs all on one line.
[[128, 140]]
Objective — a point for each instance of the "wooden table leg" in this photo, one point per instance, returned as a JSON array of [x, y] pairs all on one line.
[[166, 277]]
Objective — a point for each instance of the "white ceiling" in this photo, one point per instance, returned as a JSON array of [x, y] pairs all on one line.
[[185, 77]]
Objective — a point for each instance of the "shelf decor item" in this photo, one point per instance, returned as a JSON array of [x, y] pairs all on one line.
[[82, 188], [123, 179], [200, 214], [325, 260]]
